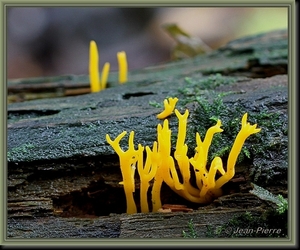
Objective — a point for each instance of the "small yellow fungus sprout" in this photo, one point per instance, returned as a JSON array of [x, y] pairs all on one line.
[[93, 67], [95, 83], [169, 105], [104, 76], [160, 165], [123, 68]]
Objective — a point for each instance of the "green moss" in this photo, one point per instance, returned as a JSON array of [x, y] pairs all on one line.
[[206, 116], [272, 223], [210, 82], [282, 203], [192, 231], [156, 104], [197, 87], [18, 151], [268, 142], [272, 142]]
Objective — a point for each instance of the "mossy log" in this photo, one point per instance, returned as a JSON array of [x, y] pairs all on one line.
[[63, 177]]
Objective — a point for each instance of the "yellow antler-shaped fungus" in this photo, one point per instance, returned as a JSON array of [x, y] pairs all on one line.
[[166, 163], [161, 166], [244, 133], [128, 161], [181, 154], [169, 105]]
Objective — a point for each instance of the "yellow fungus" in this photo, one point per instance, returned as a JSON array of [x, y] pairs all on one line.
[[169, 105], [128, 160], [160, 165], [95, 82], [181, 154], [244, 133], [93, 67], [146, 173], [123, 68], [105, 72]]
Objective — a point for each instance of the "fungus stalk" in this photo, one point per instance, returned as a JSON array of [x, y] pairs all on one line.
[[244, 133], [128, 161], [146, 173]]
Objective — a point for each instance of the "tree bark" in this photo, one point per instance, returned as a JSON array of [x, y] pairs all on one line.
[[63, 177]]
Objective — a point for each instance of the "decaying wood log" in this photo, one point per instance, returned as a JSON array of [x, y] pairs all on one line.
[[63, 177]]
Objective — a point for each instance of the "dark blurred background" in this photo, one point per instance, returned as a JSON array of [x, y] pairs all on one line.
[[55, 40]]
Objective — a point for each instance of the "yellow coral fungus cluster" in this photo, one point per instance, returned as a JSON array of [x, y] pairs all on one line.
[[96, 83], [161, 166]]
